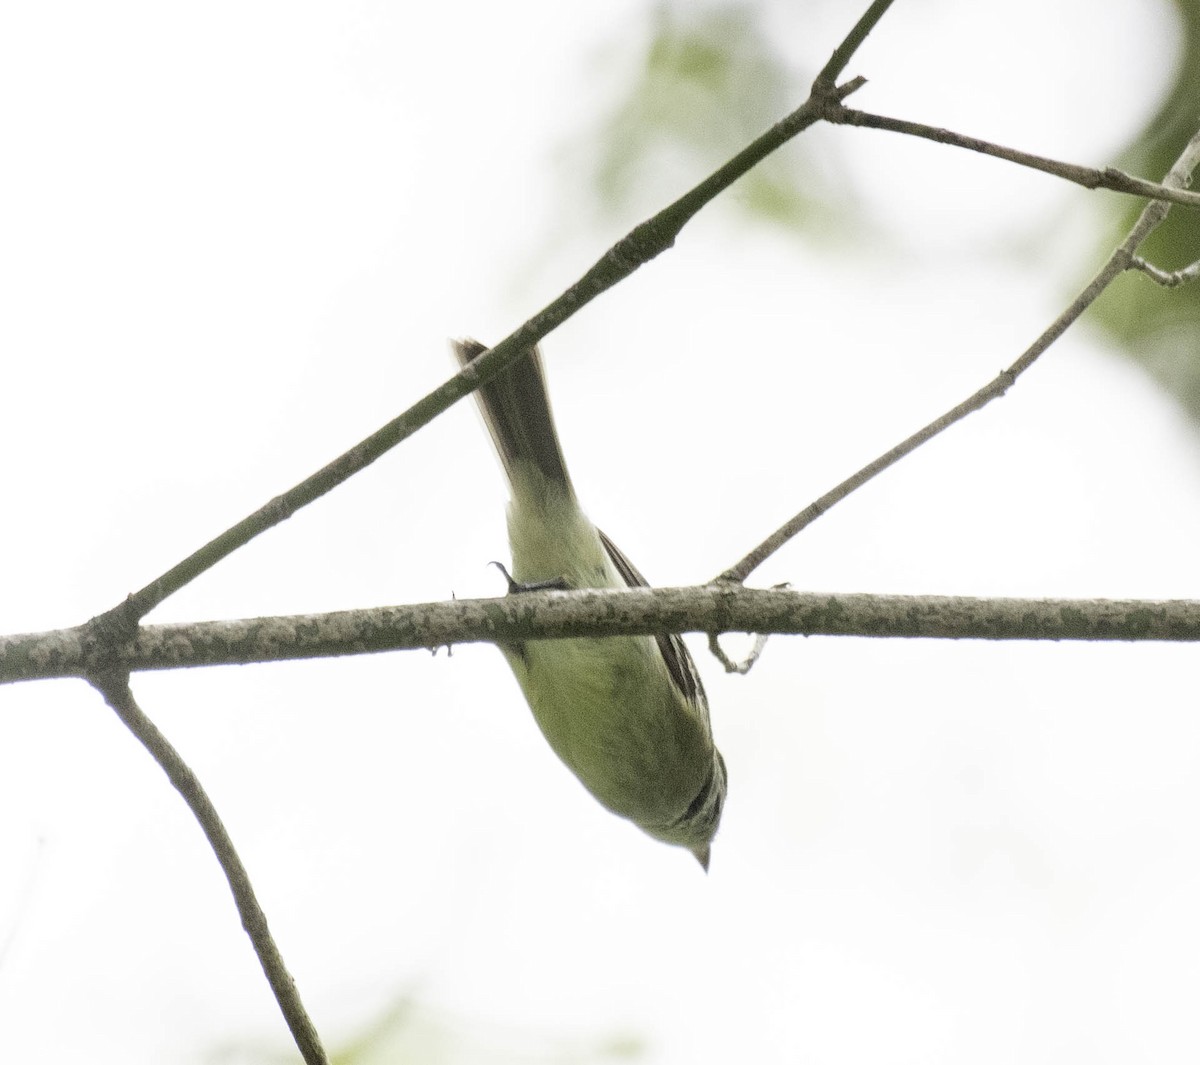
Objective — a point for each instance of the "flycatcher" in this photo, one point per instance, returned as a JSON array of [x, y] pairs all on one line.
[[626, 714]]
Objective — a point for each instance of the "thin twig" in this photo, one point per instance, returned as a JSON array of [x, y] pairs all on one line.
[[713, 608], [1166, 278], [1089, 177], [844, 52], [1151, 217], [113, 684], [747, 663]]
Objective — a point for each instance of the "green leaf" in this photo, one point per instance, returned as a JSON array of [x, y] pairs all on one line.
[[1158, 327], [706, 80]]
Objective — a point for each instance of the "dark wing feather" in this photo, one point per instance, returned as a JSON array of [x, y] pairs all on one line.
[[674, 651]]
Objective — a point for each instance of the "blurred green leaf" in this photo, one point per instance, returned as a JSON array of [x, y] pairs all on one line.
[[408, 1033], [705, 81], [1160, 328]]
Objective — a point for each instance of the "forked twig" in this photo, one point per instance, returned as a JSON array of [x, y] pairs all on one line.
[[1166, 278], [746, 664]]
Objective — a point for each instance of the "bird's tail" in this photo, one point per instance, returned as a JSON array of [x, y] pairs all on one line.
[[516, 408]]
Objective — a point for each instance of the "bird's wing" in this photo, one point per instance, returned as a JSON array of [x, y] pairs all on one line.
[[680, 666]]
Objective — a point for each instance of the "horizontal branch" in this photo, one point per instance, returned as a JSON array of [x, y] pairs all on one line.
[[714, 608]]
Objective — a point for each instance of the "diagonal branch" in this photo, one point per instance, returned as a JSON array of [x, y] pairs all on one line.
[[643, 243], [113, 684], [1120, 260]]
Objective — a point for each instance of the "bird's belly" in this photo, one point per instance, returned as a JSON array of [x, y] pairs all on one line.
[[611, 713]]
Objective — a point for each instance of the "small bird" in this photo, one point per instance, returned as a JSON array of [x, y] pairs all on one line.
[[626, 714]]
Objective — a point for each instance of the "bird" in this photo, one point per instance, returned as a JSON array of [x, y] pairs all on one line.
[[627, 715]]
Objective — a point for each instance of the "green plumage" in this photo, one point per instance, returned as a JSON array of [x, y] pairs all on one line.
[[626, 714]]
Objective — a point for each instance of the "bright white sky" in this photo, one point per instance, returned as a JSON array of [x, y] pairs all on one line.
[[234, 239]]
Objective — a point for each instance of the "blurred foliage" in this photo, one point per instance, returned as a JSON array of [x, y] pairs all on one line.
[[408, 1033], [1159, 327], [706, 80]]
